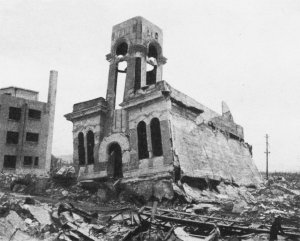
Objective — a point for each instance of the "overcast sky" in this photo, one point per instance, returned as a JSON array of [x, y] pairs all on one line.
[[246, 53]]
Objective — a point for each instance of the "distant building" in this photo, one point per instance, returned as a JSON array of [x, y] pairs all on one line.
[[26, 129], [159, 131]]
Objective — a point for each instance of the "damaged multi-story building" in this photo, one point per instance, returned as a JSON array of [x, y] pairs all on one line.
[[26, 129], [158, 132]]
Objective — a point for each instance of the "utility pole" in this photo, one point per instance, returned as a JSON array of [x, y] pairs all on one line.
[[267, 156]]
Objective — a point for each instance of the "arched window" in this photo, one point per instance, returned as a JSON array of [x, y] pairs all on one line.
[[142, 140], [81, 150], [156, 137], [90, 147]]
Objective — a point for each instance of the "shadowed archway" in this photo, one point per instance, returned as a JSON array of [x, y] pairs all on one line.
[[114, 166]]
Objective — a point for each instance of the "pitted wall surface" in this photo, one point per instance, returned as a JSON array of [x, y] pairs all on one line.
[[202, 152]]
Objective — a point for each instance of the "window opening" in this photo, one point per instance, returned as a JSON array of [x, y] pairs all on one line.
[[134, 28], [90, 147], [14, 113], [34, 114], [115, 168], [9, 161], [156, 137], [33, 137], [36, 161], [12, 137], [142, 140], [27, 161], [81, 150]]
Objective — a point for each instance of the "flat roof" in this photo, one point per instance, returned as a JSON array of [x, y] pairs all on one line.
[[18, 88], [88, 103]]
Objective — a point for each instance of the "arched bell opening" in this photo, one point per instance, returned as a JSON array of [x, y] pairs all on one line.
[[122, 49], [121, 73], [152, 57]]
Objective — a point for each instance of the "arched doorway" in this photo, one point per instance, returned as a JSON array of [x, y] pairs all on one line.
[[90, 147], [114, 165]]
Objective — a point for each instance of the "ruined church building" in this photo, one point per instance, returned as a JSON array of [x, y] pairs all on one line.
[[159, 132]]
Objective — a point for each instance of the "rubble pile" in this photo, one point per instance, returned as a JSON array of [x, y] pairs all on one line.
[[26, 218], [29, 183], [17, 181], [65, 174], [277, 197], [217, 194], [176, 211]]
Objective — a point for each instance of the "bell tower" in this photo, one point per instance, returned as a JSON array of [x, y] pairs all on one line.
[[138, 42]]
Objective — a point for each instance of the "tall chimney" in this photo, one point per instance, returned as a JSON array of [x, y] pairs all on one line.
[[52, 87], [51, 107]]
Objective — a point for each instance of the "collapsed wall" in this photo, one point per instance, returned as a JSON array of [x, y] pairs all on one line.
[[202, 152]]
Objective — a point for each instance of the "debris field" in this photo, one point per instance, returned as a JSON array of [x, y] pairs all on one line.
[[74, 211]]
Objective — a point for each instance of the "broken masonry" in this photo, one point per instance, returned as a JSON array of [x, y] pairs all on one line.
[[158, 132], [82, 216]]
